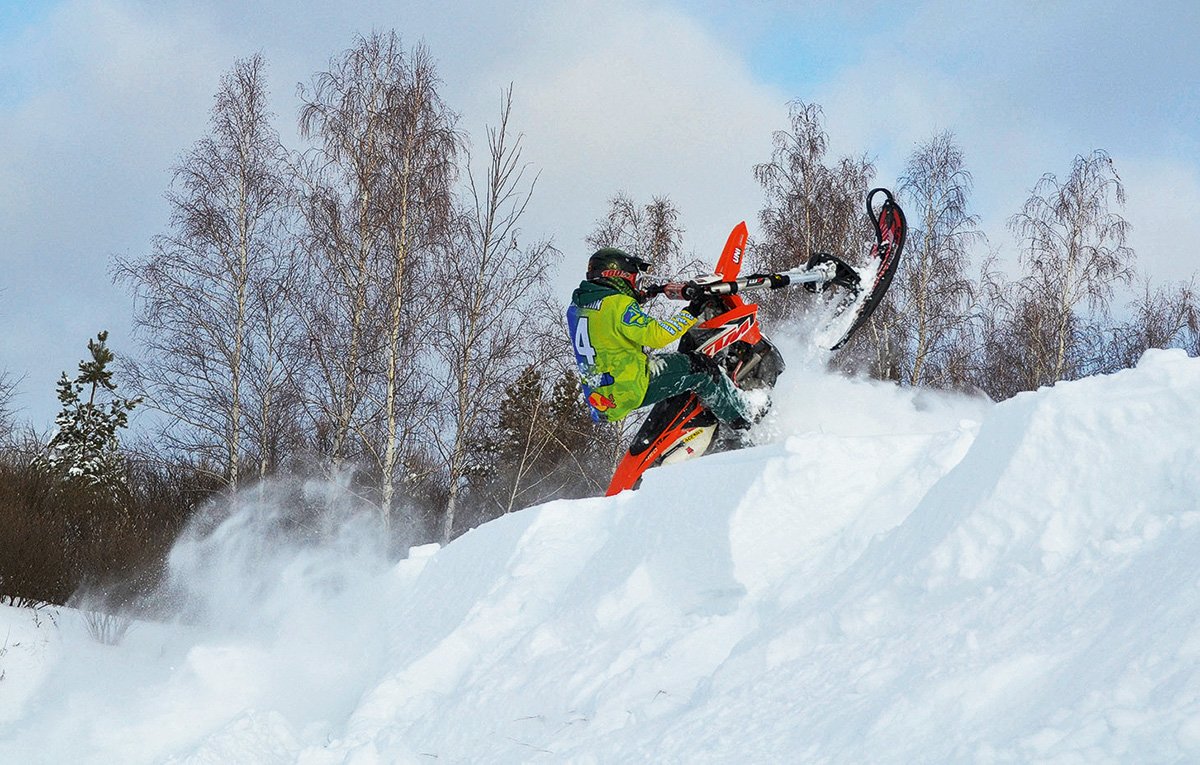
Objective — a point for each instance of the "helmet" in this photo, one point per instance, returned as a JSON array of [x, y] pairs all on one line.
[[618, 268]]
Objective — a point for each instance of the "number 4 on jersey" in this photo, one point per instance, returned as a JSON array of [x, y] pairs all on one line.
[[584, 351]]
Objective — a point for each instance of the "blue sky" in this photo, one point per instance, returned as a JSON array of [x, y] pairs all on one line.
[[16, 14], [99, 98], [15, 17]]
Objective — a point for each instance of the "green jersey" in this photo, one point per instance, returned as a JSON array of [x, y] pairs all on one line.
[[609, 331]]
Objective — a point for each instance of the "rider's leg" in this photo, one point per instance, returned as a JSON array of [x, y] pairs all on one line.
[[675, 373]]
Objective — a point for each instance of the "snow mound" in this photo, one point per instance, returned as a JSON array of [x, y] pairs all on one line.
[[894, 576]]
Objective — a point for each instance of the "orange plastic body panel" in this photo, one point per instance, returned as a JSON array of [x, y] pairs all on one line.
[[741, 323], [632, 466], [729, 265]]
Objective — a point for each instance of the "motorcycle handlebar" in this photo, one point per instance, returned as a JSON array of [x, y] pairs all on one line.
[[692, 290]]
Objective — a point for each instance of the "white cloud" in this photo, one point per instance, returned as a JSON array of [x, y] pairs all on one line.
[[109, 97], [115, 98], [651, 104]]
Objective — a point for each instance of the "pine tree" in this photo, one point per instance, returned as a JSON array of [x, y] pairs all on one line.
[[518, 446], [85, 447]]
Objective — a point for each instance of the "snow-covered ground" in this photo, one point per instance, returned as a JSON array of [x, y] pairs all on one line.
[[895, 576]]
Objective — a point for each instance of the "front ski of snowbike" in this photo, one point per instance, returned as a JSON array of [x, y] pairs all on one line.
[[680, 427]]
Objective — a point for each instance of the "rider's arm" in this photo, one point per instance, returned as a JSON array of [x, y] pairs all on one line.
[[644, 329]]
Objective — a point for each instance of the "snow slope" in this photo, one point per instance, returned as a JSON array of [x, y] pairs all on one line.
[[895, 576]]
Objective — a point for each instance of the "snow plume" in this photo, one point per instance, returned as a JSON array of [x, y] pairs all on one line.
[[280, 589], [247, 562], [274, 599], [810, 398]]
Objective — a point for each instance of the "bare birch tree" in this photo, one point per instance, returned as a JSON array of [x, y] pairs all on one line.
[[273, 407], [650, 231], [198, 315], [811, 206], [489, 281], [1162, 317], [937, 294], [424, 150], [8, 391], [343, 114], [377, 206], [1073, 246]]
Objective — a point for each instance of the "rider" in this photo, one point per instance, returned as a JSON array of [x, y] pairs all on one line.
[[609, 329]]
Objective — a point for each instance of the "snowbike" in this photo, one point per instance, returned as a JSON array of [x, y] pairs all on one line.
[[681, 428]]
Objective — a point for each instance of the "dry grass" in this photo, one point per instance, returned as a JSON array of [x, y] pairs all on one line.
[[60, 538]]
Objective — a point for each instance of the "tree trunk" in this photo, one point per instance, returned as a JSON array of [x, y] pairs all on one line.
[[400, 244]]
